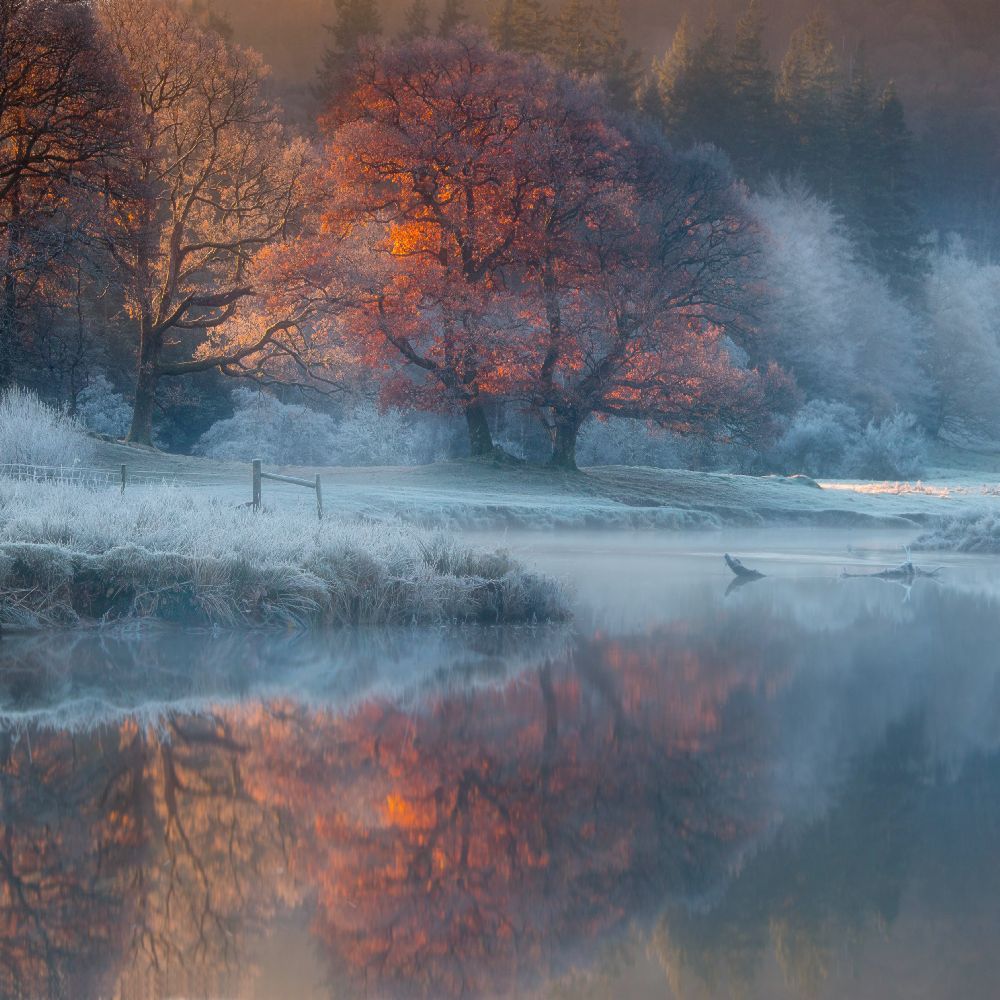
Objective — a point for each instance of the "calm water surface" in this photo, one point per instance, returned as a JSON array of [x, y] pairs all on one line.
[[790, 789]]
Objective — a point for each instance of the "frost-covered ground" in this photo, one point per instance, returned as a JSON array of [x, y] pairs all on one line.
[[470, 495]]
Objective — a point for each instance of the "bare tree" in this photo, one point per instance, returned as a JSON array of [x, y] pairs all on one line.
[[62, 121], [216, 185]]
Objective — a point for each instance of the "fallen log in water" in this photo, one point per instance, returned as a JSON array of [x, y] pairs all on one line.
[[741, 571], [906, 573]]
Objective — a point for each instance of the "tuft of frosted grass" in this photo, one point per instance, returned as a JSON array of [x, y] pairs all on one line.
[[32, 433], [976, 533], [70, 555]]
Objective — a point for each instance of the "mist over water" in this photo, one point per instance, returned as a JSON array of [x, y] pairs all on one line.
[[786, 789]]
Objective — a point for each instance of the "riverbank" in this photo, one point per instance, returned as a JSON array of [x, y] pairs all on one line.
[[71, 555]]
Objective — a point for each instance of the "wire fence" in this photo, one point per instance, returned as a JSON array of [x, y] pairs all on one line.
[[124, 478], [120, 478]]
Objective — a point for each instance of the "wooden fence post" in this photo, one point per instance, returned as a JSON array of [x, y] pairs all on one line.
[[124, 478], [319, 498], [256, 483]]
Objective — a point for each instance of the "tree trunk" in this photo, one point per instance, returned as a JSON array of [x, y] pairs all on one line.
[[480, 438], [141, 431], [8, 301], [564, 444], [8, 329]]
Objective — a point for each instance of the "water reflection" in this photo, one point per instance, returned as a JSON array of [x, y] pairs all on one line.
[[758, 798]]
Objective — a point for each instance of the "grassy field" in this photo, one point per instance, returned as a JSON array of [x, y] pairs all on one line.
[[483, 496]]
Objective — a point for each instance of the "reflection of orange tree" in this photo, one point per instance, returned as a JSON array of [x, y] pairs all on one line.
[[133, 863], [218, 870], [475, 844], [69, 823]]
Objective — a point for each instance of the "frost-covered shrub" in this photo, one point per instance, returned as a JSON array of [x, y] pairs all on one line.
[[975, 533], [617, 441], [829, 439], [102, 409], [830, 320], [277, 433], [368, 435], [894, 448], [817, 440], [291, 434], [32, 433], [963, 302]]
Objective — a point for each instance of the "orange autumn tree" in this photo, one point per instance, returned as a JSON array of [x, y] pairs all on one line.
[[524, 242], [641, 279], [435, 157]]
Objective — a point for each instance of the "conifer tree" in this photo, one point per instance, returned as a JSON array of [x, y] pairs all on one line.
[[696, 86], [754, 135], [521, 26], [502, 25], [649, 100], [672, 72], [898, 242], [619, 62], [589, 39], [807, 97], [453, 16], [574, 42], [355, 20], [415, 21], [709, 88], [856, 175]]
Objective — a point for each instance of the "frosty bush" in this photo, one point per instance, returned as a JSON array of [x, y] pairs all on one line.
[[290, 434], [69, 554], [833, 322], [277, 433], [102, 409], [617, 441], [817, 440], [963, 301], [32, 433], [895, 448], [971, 533], [370, 436], [829, 439]]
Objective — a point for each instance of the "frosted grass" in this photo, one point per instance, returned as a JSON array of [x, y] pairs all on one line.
[[979, 532], [71, 555]]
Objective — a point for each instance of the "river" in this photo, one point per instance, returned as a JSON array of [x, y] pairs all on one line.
[[785, 789]]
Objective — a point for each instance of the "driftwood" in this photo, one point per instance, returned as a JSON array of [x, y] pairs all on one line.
[[906, 573], [741, 571], [742, 574]]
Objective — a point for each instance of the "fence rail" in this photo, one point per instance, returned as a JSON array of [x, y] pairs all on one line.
[[258, 475]]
